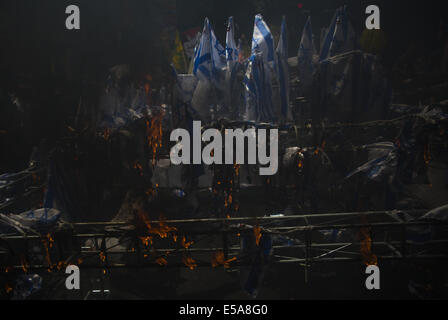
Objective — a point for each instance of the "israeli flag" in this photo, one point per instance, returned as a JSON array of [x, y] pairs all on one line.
[[231, 47], [325, 49], [258, 90], [209, 57], [218, 52], [282, 70], [262, 40], [340, 36], [305, 55]]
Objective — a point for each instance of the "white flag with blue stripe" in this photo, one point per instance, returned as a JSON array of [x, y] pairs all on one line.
[[262, 40], [231, 47], [258, 91], [209, 57], [282, 70], [218, 52]]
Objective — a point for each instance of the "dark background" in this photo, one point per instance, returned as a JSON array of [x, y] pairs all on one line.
[[50, 67]]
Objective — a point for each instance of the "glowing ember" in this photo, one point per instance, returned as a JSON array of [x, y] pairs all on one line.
[[46, 243], [185, 244], [146, 241], [106, 134], [257, 234], [189, 262], [102, 256], [61, 265], [366, 247], [161, 261], [24, 264], [237, 169], [218, 259], [161, 228], [137, 166], [154, 134], [8, 289]]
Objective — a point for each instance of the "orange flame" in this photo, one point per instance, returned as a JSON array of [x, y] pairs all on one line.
[[47, 242], [237, 169], [102, 256], [136, 165], [189, 262], [8, 288], [146, 241], [366, 247], [186, 244], [218, 259], [154, 134], [161, 261], [106, 134], [161, 228], [24, 264], [257, 234]]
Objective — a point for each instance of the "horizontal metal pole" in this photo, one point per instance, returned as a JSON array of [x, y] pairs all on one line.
[[258, 219]]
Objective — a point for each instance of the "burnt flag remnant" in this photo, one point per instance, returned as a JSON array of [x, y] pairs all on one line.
[[229, 150]]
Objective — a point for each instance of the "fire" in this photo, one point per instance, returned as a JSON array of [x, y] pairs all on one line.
[[161, 261], [218, 259], [106, 134], [228, 200], [137, 166], [321, 148], [186, 244], [48, 243], [161, 228], [102, 256], [154, 133], [61, 264], [189, 262], [366, 247], [237, 169], [257, 234], [50, 240], [24, 264], [8, 289], [146, 241]]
